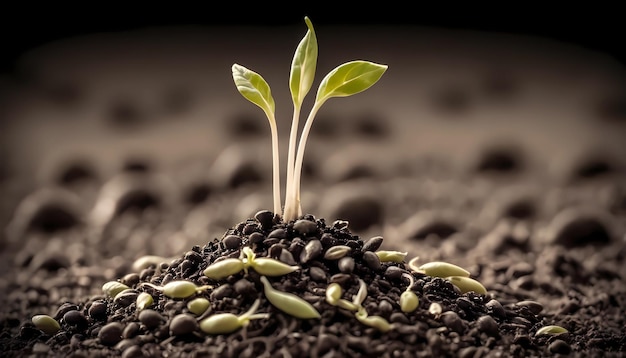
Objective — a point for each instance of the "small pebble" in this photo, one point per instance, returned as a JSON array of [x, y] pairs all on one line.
[[305, 227], [183, 324], [131, 330], [98, 310], [372, 260], [373, 243], [346, 264], [150, 318], [75, 318], [393, 273], [559, 346], [488, 325], [244, 287], [133, 352], [265, 218], [534, 306], [453, 322], [232, 242], [311, 251], [221, 292], [496, 308], [317, 274], [111, 334]]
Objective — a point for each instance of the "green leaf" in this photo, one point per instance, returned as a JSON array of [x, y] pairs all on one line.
[[303, 65], [348, 79], [254, 88]]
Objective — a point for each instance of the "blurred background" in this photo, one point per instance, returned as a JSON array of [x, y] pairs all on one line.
[[482, 113]]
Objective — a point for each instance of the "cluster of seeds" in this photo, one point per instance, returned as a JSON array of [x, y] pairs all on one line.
[[299, 277]]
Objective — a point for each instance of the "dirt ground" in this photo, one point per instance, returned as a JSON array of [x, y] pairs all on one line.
[[502, 154]]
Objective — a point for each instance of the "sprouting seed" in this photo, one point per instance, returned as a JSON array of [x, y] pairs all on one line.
[[112, 288], [224, 323], [144, 300], [182, 289], [361, 293], [408, 301], [442, 269], [179, 289], [333, 297], [198, 305], [413, 264], [337, 252], [391, 256], [333, 293], [224, 268], [46, 324], [288, 302], [466, 284], [435, 309], [147, 261], [551, 330], [373, 321], [269, 267]]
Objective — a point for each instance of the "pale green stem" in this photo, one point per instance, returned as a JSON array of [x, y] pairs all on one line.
[[292, 152], [293, 202], [276, 161]]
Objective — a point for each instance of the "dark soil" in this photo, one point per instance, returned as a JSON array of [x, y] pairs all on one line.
[[549, 246]]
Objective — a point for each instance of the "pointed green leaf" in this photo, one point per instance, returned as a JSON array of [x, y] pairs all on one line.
[[303, 66], [254, 88], [348, 79]]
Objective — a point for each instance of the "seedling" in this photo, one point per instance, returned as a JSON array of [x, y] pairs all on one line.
[[345, 80]]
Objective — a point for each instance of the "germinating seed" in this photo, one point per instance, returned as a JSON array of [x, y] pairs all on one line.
[[373, 321], [46, 324], [391, 256], [182, 289], [270, 267], [224, 268], [288, 302], [551, 330], [112, 288], [466, 284], [408, 301], [361, 293], [198, 305], [442, 269], [221, 323], [435, 309], [147, 261], [144, 300], [337, 252], [413, 264], [333, 293]]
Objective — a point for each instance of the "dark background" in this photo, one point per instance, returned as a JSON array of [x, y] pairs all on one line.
[[22, 27]]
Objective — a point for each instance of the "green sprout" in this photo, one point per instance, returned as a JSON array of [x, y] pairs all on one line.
[[345, 80], [262, 265]]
